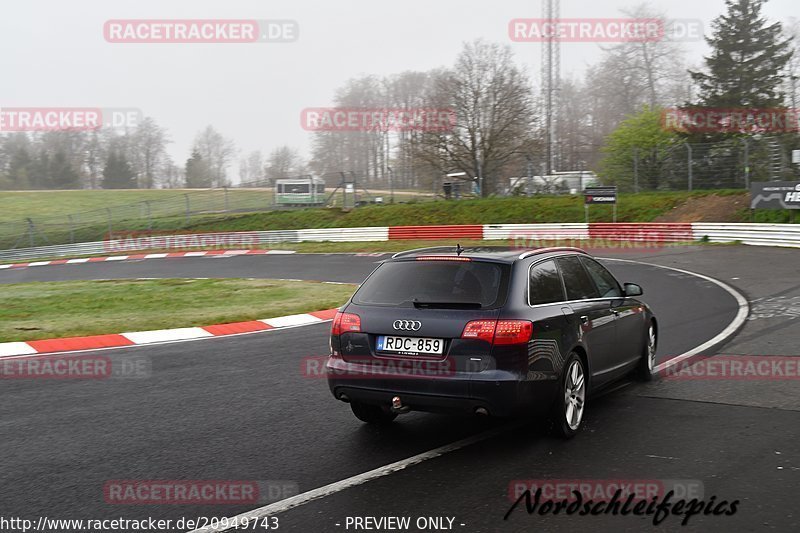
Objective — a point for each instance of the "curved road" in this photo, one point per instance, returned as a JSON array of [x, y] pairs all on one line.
[[241, 408]]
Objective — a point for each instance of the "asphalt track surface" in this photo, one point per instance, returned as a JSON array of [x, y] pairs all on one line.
[[240, 408]]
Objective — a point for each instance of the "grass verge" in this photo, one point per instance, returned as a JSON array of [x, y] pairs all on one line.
[[46, 310], [643, 207]]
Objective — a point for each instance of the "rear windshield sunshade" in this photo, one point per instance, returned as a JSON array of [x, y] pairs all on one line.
[[402, 283]]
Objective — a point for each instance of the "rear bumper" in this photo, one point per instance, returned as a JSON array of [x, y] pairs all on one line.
[[501, 393]]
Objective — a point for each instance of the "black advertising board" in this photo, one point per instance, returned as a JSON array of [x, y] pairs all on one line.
[[600, 195], [775, 195]]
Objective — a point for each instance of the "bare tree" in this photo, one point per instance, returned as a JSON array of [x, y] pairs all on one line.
[[655, 67], [791, 30], [362, 152], [283, 162], [217, 153], [148, 145], [251, 169], [494, 114], [172, 176]]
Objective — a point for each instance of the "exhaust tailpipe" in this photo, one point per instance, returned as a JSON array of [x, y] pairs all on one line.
[[398, 407]]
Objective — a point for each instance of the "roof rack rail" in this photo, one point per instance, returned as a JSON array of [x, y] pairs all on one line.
[[552, 249], [429, 249]]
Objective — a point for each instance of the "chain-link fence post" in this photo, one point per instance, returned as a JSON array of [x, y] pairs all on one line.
[[689, 164], [71, 230], [149, 215], [746, 141], [31, 233], [110, 223], [188, 209], [227, 205]]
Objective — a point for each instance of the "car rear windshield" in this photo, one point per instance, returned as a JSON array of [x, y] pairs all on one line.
[[436, 283]]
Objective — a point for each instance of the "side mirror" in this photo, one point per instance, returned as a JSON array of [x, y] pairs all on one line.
[[632, 289]]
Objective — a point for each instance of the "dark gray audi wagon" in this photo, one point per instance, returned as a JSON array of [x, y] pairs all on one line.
[[492, 331]]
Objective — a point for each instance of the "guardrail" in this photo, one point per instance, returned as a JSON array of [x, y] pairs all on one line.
[[785, 235]]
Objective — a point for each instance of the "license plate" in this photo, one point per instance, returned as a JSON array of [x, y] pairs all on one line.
[[410, 345]]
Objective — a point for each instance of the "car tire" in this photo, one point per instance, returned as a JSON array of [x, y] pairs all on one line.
[[647, 363], [570, 403], [372, 414]]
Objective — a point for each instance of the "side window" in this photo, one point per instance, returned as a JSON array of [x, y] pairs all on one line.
[[544, 285], [603, 280], [579, 284]]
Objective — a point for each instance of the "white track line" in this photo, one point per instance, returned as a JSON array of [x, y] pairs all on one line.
[[729, 331], [10, 349], [360, 479], [291, 320], [164, 335], [327, 490]]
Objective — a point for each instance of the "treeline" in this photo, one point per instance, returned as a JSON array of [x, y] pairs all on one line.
[[607, 121], [102, 158], [135, 159], [754, 65], [500, 129]]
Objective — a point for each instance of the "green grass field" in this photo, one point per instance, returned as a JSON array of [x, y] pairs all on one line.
[[643, 207], [19, 205], [45, 310], [210, 211]]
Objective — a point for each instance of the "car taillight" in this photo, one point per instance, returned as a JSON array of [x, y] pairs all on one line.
[[344, 322], [501, 332], [479, 329], [513, 332]]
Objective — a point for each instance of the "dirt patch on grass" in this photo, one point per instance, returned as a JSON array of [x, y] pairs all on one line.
[[711, 208]]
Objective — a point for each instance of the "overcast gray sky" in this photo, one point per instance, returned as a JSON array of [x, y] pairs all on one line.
[[54, 54]]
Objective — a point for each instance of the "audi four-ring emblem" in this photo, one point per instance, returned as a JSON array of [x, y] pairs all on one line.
[[407, 325]]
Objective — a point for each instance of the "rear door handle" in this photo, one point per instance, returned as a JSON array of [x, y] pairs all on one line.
[[585, 319]]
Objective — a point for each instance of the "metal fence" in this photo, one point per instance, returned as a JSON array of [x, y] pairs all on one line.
[[173, 212], [730, 164]]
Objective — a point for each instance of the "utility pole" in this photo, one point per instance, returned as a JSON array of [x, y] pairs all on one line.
[[551, 82], [530, 176]]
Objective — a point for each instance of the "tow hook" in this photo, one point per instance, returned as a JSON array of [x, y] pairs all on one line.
[[398, 407]]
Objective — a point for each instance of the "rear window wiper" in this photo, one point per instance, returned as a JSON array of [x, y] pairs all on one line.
[[447, 305]]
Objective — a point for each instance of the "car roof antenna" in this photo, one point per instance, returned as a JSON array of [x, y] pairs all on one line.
[[459, 249]]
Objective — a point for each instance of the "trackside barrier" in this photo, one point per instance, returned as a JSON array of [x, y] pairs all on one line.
[[787, 235], [531, 232], [435, 232], [646, 233]]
